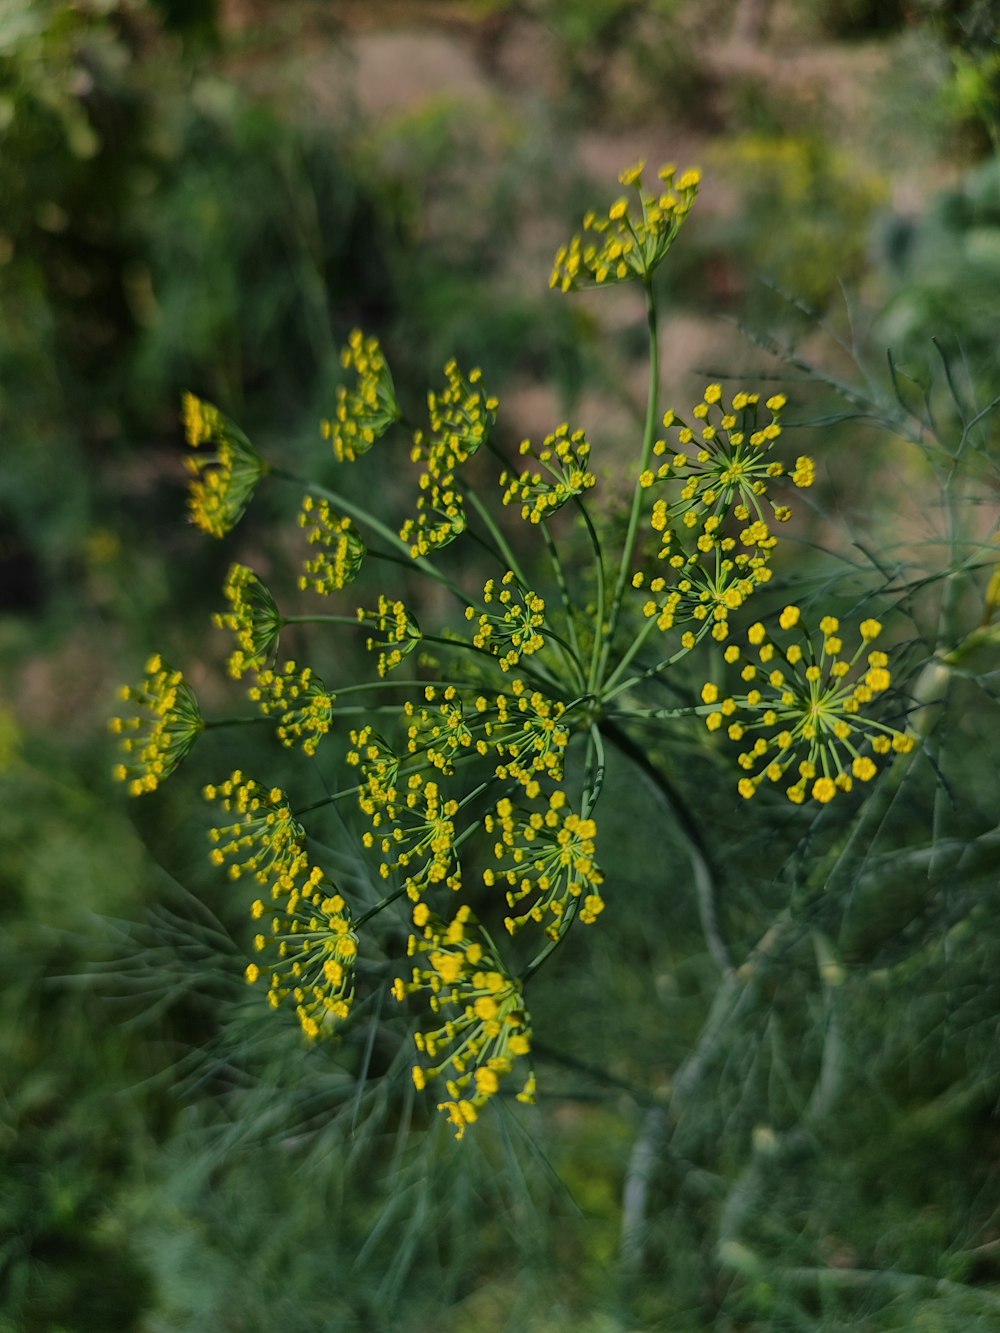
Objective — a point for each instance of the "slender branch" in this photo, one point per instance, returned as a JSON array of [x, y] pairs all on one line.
[[561, 583], [502, 544], [649, 431]]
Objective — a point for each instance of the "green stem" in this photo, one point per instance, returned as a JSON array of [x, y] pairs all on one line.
[[396, 684], [502, 545], [608, 695], [632, 533], [214, 724], [380, 906], [597, 768], [560, 576], [595, 541], [322, 620]]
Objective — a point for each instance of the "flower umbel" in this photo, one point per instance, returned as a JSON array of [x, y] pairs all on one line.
[[366, 411], [461, 418], [158, 737], [724, 462], [547, 856], [299, 700], [628, 243], [253, 619], [486, 1026], [340, 554], [512, 632], [264, 840], [803, 708], [563, 473], [398, 629], [414, 831], [223, 483], [311, 951]]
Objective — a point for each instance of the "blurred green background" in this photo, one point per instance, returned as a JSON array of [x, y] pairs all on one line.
[[208, 196]]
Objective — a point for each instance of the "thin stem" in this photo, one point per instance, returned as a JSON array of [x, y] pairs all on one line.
[[215, 723], [395, 684], [596, 770], [649, 431], [380, 906], [560, 576], [322, 620], [595, 541], [608, 692], [502, 544]]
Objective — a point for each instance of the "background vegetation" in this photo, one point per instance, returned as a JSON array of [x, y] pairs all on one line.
[[209, 196]]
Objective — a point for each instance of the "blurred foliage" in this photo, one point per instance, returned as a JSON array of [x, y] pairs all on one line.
[[944, 270], [855, 19], [804, 220], [970, 30]]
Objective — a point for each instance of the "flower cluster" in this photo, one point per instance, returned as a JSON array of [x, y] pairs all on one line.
[[800, 702], [528, 732], [399, 632], [547, 856], [486, 1028], [502, 714], [156, 738], [366, 411], [264, 839], [441, 733], [725, 464], [374, 756], [513, 631], [310, 951], [222, 483], [715, 542], [340, 554], [628, 244], [299, 700], [702, 593], [564, 456], [253, 618], [461, 417], [414, 830]]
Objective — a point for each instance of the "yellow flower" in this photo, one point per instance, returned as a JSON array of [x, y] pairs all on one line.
[[222, 483], [806, 717], [563, 474], [340, 551], [299, 700], [160, 734], [486, 1028], [366, 411], [547, 856], [253, 618], [631, 241]]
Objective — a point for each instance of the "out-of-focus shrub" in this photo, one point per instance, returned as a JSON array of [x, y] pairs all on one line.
[[944, 273], [805, 213]]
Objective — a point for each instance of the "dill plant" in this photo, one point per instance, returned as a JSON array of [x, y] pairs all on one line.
[[476, 750]]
